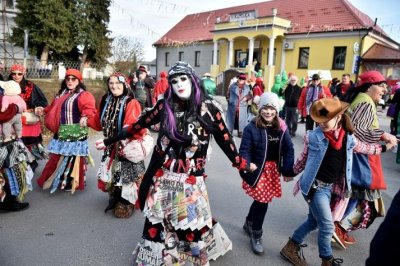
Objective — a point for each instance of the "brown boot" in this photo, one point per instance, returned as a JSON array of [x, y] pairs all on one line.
[[293, 253], [332, 262], [123, 211]]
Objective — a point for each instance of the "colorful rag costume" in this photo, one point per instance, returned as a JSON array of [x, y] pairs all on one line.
[[69, 151], [117, 175], [15, 172]]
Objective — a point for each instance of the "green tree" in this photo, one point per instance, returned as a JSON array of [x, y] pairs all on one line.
[[48, 22], [91, 18]]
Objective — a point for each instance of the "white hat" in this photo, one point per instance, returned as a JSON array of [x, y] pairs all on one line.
[[269, 99], [11, 88]]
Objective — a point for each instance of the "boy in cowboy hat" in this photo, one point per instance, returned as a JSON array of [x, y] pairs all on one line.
[[326, 161]]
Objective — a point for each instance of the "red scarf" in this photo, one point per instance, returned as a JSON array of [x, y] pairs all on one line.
[[335, 140]]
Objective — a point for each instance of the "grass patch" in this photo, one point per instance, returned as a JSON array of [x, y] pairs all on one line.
[[50, 88]]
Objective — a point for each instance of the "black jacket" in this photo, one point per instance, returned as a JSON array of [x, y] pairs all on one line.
[[292, 95]]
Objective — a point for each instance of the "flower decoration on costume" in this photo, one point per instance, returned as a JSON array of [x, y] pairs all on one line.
[[159, 173], [152, 232], [121, 78], [190, 236], [191, 180]]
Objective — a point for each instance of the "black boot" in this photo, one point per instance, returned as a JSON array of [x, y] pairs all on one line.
[[248, 227], [10, 204], [256, 242]]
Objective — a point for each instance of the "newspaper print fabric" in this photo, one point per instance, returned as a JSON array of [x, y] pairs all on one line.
[[181, 197], [174, 252]]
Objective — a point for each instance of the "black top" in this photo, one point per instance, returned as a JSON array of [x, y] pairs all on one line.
[[273, 144], [332, 165]]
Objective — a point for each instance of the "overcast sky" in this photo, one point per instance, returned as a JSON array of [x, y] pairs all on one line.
[[148, 20]]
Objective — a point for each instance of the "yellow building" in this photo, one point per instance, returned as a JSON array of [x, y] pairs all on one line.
[[298, 36]]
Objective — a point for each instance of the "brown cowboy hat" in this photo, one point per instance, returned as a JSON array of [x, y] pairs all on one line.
[[325, 109]]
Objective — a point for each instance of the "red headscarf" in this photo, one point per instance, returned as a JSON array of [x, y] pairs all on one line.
[[17, 67]]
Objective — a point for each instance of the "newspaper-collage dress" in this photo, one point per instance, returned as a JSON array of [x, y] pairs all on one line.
[[179, 228]]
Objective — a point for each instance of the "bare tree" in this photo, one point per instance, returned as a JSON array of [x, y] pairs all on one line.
[[126, 49]]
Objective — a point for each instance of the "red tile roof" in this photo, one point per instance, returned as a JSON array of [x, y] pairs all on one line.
[[379, 52], [306, 16]]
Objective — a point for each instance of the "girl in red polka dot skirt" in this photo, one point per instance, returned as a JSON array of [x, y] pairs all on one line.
[[267, 147]]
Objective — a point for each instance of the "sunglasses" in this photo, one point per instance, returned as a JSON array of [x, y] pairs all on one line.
[[176, 80], [16, 74], [70, 79]]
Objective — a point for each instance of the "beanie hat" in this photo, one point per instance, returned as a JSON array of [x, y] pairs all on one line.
[[74, 72], [11, 88], [371, 77], [180, 68], [17, 67], [269, 99]]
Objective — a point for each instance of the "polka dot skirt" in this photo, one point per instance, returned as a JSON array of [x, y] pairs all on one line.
[[268, 186]]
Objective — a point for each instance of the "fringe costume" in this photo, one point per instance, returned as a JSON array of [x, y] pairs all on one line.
[[69, 152], [118, 176]]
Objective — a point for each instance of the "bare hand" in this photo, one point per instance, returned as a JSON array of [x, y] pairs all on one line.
[[39, 111], [287, 178], [253, 167], [100, 144], [83, 121], [389, 138], [390, 145]]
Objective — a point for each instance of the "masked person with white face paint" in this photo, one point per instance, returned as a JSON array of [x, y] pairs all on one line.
[[266, 143], [117, 174], [173, 194]]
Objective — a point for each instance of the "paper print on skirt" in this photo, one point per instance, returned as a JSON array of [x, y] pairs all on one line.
[[179, 229], [213, 243]]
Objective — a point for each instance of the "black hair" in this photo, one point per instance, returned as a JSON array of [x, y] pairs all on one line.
[[64, 87]]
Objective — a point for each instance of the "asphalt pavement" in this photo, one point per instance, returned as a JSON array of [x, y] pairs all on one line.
[[65, 229]]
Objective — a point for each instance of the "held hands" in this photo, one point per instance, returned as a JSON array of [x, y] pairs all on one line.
[[100, 144], [83, 121], [287, 178], [389, 139], [252, 167], [39, 111]]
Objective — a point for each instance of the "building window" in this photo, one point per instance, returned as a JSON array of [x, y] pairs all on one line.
[[167, 59], [339, 57], [304, 54], [197, 58], [180, 56]]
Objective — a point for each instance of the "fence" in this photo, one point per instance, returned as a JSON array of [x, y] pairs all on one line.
[[57, 69]]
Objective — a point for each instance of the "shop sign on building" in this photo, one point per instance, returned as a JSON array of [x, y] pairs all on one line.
[[240, 16]]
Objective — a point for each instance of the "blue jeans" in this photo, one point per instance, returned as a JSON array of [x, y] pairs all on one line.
[[319, 216]]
